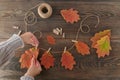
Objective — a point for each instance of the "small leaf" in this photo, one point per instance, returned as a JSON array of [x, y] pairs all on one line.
[[103, 46], [25, 59], [47, 60], [50, 39], [67, 60], [82, 48], [70, 15]]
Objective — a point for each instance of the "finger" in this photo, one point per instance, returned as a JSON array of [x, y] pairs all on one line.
[[32, 61], [35, 41], [37, 63], [32, 42]]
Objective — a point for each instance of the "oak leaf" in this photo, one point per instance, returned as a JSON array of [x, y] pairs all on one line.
[[103, 46], [47, 60], [25, 59], [67, 60], [97, 36], [82, 48], [50, 39], [70, 15]]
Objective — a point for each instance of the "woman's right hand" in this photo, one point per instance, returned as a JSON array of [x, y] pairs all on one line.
[[34, 69]]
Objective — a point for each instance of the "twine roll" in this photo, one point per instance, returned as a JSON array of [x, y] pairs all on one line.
[[44, 10]]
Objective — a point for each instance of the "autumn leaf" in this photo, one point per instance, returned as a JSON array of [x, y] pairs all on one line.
[[70, 15], [103, 46], [47, 60], [68, 60], [97, 36], [82, 48], [50, 39], [25, 59]]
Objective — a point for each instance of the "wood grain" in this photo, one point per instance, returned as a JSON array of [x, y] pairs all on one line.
[[88, 67]]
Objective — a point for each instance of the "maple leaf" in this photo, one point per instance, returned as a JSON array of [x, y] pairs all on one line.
[[103, 46], [82, 48], [67, 60], [47, 60], [97, 36], [50, 39], [70, 15], [25, 59]]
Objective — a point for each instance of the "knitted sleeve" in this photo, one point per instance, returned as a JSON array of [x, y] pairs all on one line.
[[8, 47]]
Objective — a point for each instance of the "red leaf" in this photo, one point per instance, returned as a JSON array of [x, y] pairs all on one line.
[[82, 48], [47, 60], [50, 39], [25, 59], [70, 15], [67, 60]]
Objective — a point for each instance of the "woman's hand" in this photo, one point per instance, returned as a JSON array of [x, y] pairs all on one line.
[[29, 38], [35, 68]]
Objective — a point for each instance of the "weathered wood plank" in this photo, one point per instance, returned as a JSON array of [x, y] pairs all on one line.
[[88, 67]]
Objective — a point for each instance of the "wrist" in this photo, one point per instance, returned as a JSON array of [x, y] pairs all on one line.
[[22, 38], [29, 74], [27, 77]]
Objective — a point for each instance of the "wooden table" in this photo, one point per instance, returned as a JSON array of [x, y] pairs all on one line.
[[88, 67]]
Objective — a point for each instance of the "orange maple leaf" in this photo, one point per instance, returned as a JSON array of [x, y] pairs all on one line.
[[103, 46], [25, 59], [97, 36], [67, 60], [82, 48], [70, 15], [47, 60], [50, 39]]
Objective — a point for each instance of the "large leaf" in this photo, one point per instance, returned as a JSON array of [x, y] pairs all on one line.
[[99, 35], [25, 59], [47, 60], [67, 60], [103, 46], [70, 15]]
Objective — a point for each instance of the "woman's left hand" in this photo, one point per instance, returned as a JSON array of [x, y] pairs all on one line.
[[29, 38]]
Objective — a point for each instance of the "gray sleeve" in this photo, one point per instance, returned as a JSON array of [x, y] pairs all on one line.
[[27, 78], [8, 47]]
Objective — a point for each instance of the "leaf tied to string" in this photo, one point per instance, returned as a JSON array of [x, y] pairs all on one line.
[[81, 47], [67, 60], [47, 59]]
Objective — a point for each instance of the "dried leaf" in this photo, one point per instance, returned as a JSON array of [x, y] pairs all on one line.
[[97, 36], [82, 48], [47, 60], [50, 39], [25, 59], [103, 46], [70, 15], [67, 60]]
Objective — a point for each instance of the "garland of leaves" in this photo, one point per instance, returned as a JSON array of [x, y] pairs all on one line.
[[30, 19], [101, 41]]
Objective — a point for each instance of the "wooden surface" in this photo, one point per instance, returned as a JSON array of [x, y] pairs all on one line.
[[88, 67]]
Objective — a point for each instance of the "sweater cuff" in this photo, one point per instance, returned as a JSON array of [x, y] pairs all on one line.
[[16, 41], [27, 78]]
